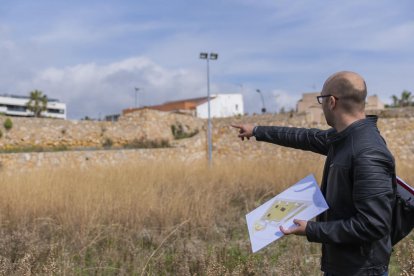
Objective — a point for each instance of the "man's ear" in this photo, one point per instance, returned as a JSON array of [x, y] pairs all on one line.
[[332, 103]]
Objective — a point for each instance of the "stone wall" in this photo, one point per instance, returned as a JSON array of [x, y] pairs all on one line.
[[399, 133], [50, 133], [398, 112], [16, 162]]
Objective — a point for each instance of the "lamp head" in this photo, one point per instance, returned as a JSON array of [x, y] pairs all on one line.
[[203, 55], [213, 56]]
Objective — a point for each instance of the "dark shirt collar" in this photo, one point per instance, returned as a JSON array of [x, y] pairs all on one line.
[[370, 120]]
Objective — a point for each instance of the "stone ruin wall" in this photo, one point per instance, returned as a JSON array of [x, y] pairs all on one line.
[[397, 129], [49, 133]]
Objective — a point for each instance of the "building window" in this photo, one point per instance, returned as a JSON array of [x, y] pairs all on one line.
[[16, 108], [55, 111], [237, 107]]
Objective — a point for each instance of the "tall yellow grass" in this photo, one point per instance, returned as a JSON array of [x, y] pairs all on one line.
[[159, 194], [148, 218]]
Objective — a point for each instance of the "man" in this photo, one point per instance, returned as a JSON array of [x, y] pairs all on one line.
[[356, 183]]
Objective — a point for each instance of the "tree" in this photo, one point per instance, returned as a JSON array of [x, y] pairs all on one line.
[[406, 99], [37, 103], [395, 101]]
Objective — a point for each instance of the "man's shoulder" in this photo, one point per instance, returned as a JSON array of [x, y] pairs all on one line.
[[368, 141]]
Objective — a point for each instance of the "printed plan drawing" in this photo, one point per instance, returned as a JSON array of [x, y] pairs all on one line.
[[303, 200]]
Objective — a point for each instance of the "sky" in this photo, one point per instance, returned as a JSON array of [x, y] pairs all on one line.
[[92, 54]]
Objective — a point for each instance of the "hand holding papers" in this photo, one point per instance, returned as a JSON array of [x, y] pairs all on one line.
[[302, 201]]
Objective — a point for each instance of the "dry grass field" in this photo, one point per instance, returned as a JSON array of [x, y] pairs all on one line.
[[160, 218]]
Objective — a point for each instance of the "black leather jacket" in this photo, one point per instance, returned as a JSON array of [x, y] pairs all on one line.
[[357, 185]]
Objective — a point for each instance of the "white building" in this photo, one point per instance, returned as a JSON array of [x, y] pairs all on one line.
[[14, 105], [221, 105]]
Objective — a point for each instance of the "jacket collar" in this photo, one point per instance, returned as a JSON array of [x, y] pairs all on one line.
[[370, 120]]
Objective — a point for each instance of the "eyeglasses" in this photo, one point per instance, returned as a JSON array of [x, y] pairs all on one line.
[[320, 98]]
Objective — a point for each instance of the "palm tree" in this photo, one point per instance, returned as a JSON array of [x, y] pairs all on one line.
[[37, 103], [395, 101], [406, 98]]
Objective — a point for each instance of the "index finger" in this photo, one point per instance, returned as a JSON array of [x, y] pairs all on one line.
[[236, 126]]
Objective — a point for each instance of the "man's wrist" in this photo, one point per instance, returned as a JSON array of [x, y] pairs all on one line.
[[254, 131]]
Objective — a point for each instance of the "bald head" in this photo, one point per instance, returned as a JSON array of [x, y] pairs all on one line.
[[349, 88]]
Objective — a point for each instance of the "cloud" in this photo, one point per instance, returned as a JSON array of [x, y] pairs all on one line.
[[274, 99], [97, 90], [284, 99], [92, 57], [399, 37], [79, 33]]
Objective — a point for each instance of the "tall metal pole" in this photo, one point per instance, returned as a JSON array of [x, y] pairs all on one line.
[[263, 103], [210, 149], [208, 56], [136, 96]]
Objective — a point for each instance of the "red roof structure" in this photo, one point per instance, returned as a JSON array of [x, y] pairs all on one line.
[[188, 105]]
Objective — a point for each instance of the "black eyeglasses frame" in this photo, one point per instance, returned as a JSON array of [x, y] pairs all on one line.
[[320, 98]]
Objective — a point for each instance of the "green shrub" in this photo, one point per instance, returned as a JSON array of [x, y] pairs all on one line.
[[1, 133], [107, 143], [179, 132], [8, 124]]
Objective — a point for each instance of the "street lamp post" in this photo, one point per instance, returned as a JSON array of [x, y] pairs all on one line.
[[136, 96], [263, 103], [277, 102], [208, 57]]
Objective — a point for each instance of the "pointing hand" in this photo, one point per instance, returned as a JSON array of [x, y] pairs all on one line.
[[245, 131]]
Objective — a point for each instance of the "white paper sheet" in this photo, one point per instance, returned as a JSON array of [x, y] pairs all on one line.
[[303, 200]]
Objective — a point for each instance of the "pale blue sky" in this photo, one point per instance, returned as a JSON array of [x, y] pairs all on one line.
[[91, 54]]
